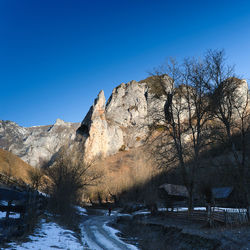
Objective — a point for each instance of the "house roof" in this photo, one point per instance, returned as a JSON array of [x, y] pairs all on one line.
[[176, 190], [222, 192]]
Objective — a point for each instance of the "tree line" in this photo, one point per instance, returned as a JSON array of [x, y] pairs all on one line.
[[205, 103]]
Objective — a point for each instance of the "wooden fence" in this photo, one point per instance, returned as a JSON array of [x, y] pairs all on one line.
[[21, 202], [215, 215], [235, 217], [28, 204]]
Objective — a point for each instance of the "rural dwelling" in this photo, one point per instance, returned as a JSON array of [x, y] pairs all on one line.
[[224, 196], [173, 195]]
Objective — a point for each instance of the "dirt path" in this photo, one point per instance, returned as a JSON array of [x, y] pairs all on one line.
[[98, 235]]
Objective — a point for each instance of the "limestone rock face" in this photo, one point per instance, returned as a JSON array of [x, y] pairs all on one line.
[[120, 124], [124, 121], [127, 106], [95, 125], [36, 145], [101, 138], [242, 95], [126, 113]]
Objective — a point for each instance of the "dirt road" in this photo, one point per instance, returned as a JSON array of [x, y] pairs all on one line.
[[97, 235]]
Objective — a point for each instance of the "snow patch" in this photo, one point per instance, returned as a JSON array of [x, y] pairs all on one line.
[[49, 236], [104, 241], [88, 241], [81, 210], [114, 233]]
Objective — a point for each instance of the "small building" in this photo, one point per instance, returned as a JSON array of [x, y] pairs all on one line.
[[173, 195], [224, 196], [222, 192]]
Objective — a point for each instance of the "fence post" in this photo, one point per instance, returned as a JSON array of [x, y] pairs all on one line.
[[8, 211], [248, 212], [226, 217], [209, 215]]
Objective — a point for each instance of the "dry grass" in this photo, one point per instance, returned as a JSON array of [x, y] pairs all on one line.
[[12, 165], [122, 172]]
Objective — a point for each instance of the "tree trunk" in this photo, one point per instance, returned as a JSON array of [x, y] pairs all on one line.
[[209, 215], [190, 201]]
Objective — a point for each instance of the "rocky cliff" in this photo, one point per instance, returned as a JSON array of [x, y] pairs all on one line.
[[36, 145], [124, 121], [121, 123]]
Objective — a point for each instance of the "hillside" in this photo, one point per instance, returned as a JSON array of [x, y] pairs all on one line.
[[122, 172], [12, 165]]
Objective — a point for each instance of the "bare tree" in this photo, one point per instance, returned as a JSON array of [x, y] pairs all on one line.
[[69, 175], [230, 105], [35, 176], [186, 115], [196, 93]]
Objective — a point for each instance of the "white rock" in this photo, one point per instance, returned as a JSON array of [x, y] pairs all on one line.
[[36, 145]]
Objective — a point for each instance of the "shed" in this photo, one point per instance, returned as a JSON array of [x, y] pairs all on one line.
[[173, 195], [222, 192], [227, 196], [175, 190]]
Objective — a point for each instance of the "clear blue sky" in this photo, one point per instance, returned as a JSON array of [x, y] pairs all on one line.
[[55, 56]]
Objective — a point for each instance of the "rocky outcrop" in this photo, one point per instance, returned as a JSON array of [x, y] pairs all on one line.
[[36, 145], [123, 122], [120, 124]]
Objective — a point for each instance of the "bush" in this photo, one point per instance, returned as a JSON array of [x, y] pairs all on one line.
[[155, 85], [122, 148], [69, 175], [35, 176]]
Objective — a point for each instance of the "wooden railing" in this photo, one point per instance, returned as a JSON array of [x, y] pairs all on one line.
[[16, 197], [21, 202], [216, 215]]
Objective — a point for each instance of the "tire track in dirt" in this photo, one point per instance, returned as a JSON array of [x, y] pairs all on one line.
[[97, 237]]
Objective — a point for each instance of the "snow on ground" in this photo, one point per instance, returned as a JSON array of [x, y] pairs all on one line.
[[49, 236], [145, 211], [141, 212], [113, 232], [44, 194], [11, 215], [103, 240], [97, 235], [181, 209], [105, 237], [14, 215], [2, 215], [226, 209], [185, 209], [89, 242], [81, 210], [230, 210]]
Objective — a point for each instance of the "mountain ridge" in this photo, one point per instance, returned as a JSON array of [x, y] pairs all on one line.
[[121, 123], [35, 145]]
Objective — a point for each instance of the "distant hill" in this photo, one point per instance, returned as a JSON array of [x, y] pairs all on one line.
[[36, 145], [12, 165]]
